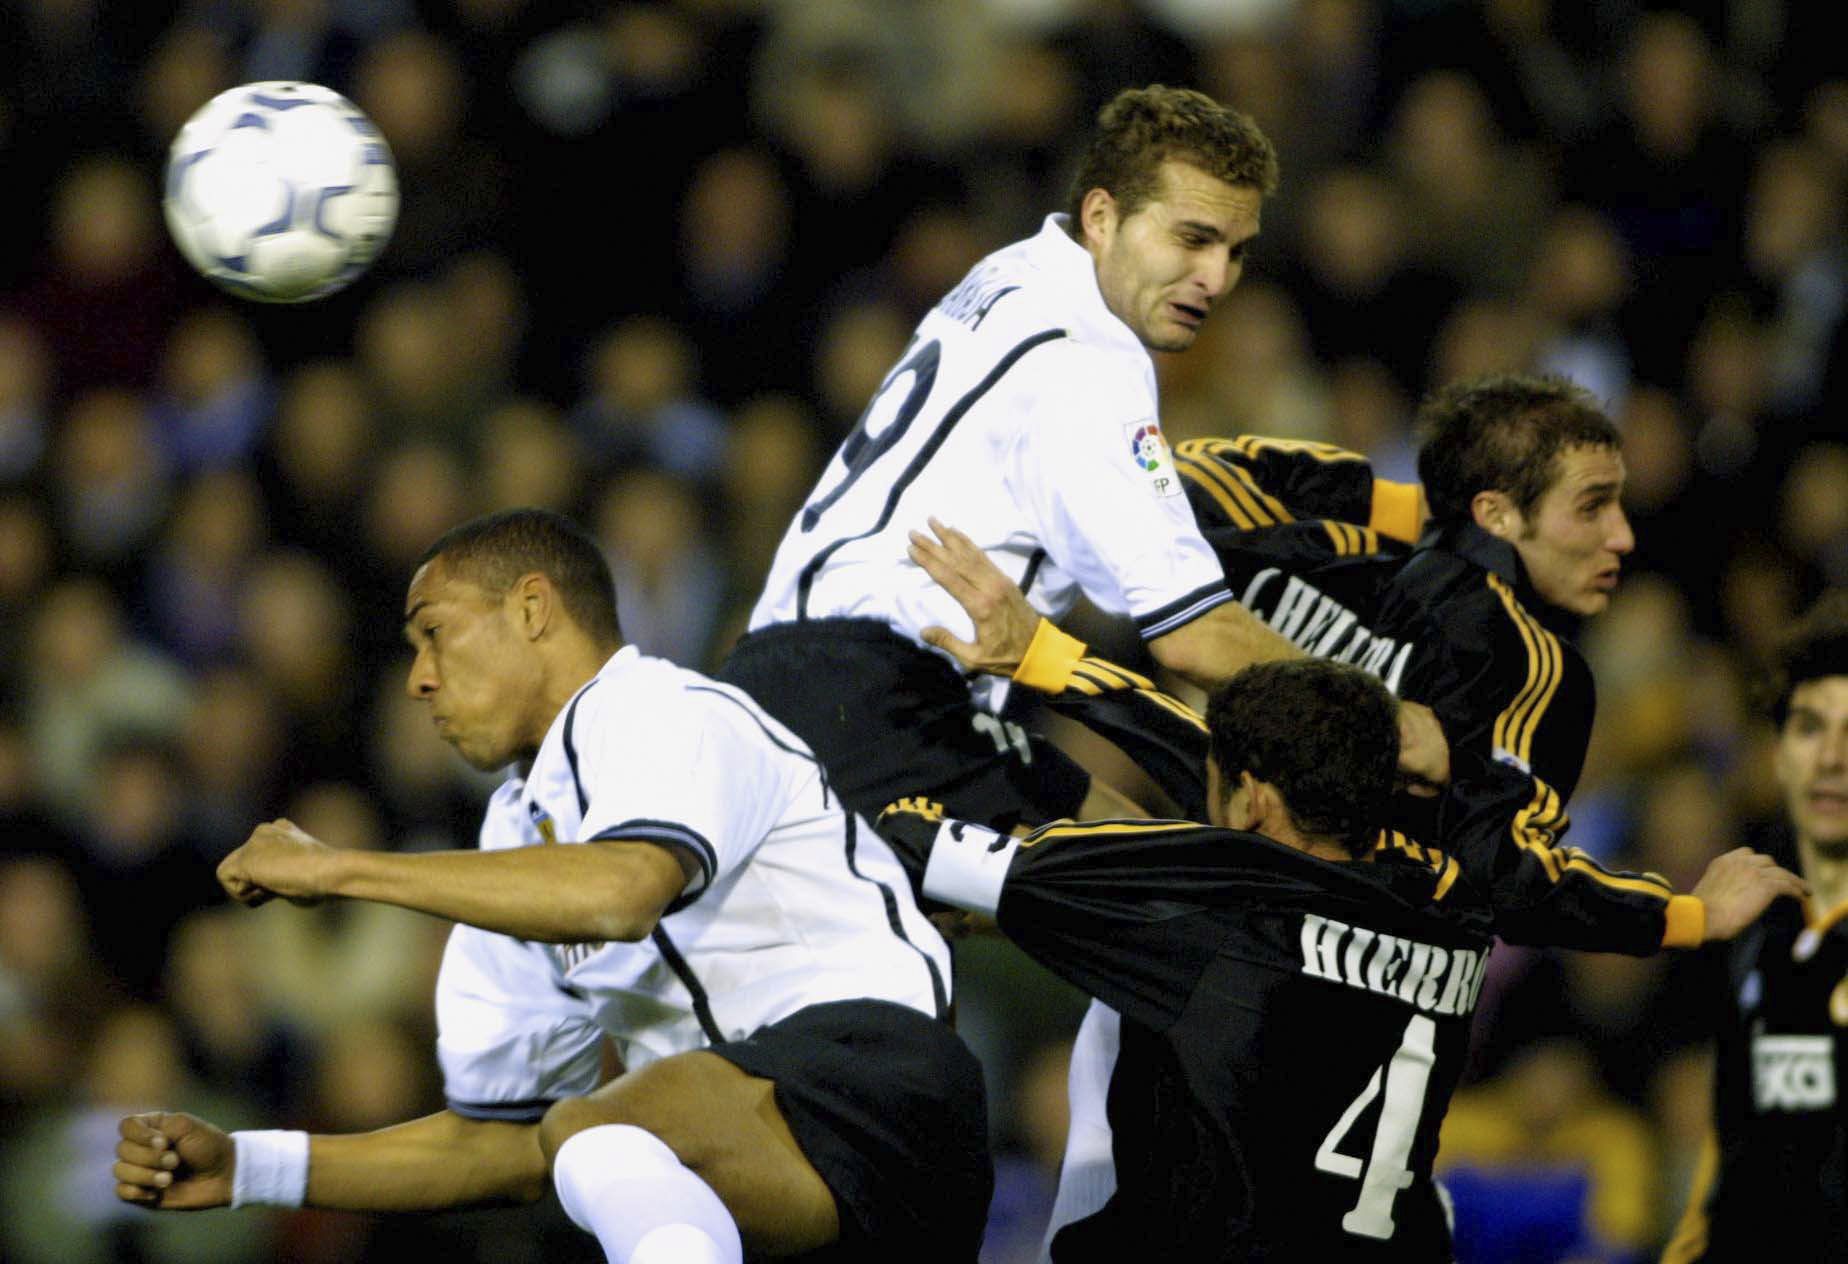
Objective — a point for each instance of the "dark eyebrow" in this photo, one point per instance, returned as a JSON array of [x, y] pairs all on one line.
[[1609, 488], [412, 612], [1209, 231]]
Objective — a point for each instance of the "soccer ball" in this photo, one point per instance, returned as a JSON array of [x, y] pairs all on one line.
[[280, 192]]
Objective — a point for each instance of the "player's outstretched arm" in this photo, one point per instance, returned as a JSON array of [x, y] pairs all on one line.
[[1739, 886], [176, 1162], [585, 892], [1210, 650], [1159, 732]]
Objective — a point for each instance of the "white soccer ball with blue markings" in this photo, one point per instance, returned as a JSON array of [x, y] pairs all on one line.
[[280, 192]]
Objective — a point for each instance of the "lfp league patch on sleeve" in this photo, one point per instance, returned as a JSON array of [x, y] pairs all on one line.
[[1149, 449]]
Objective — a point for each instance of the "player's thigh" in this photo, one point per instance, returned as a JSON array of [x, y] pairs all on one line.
[[724, 1124]]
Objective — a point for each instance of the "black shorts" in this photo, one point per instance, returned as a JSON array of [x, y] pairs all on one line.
[[888, 1106], [889, 720]]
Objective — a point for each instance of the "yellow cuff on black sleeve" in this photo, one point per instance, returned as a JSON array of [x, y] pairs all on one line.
[[1050, 657], [1398, 509], [1687, 922]]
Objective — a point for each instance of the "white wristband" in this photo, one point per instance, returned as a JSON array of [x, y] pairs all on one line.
[[968, 863], [270, 1169]]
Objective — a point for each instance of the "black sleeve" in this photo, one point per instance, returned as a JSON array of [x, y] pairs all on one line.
[[1125, 911], [1119, 909], [1504, 827], [1251, 482], [909, 827], [1162, 735]]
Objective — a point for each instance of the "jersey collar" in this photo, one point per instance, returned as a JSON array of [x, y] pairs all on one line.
[[1071, 269], [1491, 553]]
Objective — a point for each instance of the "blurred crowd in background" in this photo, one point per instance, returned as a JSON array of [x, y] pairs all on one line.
[[653, 258]]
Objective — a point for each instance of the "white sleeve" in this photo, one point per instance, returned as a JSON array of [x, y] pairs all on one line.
[[510, 1040], [1093, 470], [692, 768]]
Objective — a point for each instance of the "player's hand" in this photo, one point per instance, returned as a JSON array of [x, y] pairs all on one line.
[[1004, 622], [278, 859], [173, 1162], [1739, 886], [1424, 752]]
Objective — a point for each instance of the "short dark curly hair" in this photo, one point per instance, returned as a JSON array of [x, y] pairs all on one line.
[[1141, 128], [1502, 433], [1324, 733], [496, 549], [1815, 647]]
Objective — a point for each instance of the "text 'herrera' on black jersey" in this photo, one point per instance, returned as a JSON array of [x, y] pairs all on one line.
[[1316, 546], [1775, 1169], [1292, 1028]]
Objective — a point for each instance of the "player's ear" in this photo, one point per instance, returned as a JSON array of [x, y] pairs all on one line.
[[1495, 513], [1245, 805], [1097, 218], [535, 604]]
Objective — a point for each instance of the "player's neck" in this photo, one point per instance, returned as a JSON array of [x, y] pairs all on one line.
[[1257, 808], [1827, 874], [572, 664], [1309, 844]]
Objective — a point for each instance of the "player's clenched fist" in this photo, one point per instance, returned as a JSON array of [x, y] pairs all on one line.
[[174, 1162], [277, 859], [1424, 752]]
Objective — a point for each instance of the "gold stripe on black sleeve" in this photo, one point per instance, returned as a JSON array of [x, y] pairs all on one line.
[[1174, 704], [1202, 475], [1515, 726], [1447, 879], [1530, 833], [1123, 678], [1076, 829], [1255, 445], [1225, 477], [1649, 884], [1270, 503], [1524, 735]]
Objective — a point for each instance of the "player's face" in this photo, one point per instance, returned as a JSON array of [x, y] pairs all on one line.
[[477, 675], [1574, 540], [1812, 762], [1162, 268]]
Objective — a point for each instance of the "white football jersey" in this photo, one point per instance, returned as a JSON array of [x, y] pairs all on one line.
[[1024, 414], [795, 901]]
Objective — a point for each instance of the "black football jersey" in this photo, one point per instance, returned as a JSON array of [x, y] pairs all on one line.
[[1292, 1028], [1774, 1176], [1316, 546]]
